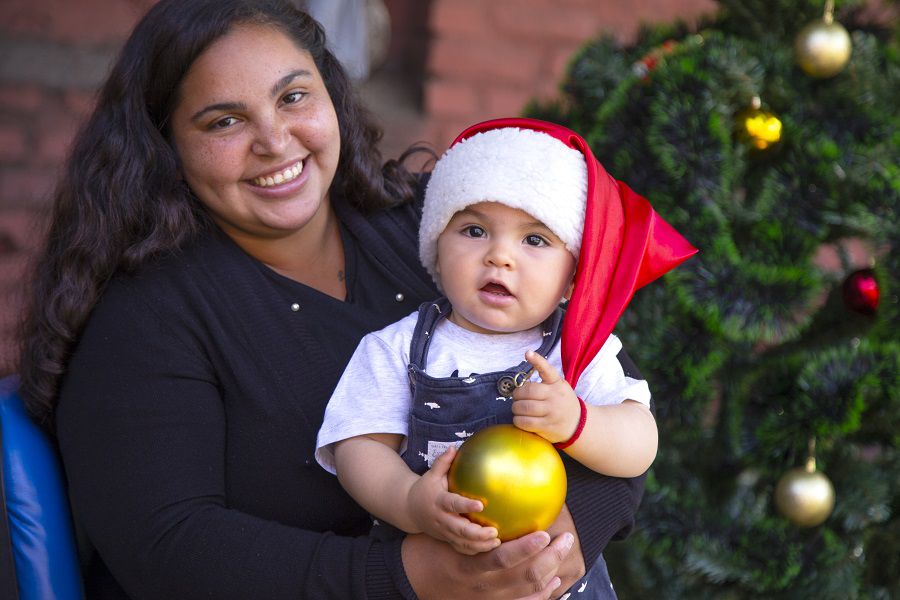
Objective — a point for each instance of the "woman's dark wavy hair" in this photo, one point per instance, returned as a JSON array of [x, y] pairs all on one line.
[[121, 201]]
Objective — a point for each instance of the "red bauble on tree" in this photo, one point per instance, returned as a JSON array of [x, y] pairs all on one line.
[[861, 292]]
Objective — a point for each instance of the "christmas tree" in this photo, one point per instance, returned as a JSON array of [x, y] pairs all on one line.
[[769, 135]]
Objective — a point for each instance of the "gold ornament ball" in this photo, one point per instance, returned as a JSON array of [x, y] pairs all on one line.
[[804, 496], [759, 128], [822, 49], [518, 476]]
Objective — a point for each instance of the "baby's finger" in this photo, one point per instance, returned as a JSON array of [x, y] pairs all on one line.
[[454, 503], [483, 546], [475, 532], [441, 465], [545, 370], [471, 548], [527, 424], [530, 408], [463, 529]]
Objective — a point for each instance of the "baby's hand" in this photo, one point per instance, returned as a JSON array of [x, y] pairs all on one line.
[[437, 512], [548, 407]]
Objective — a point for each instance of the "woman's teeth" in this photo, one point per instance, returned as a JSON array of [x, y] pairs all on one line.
[[279, 178]]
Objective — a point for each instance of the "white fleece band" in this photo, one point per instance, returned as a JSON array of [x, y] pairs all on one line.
[[521, 168]]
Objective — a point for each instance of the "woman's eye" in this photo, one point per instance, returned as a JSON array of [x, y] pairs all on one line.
[[224, 123], [535, 240], [292, 97], [474, 231]]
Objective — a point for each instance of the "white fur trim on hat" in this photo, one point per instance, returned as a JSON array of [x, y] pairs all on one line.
[[521, 168]]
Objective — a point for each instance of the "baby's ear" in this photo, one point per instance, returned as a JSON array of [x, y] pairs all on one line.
[[570, 289]]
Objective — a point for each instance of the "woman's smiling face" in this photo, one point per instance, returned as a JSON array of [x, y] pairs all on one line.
[[257, 134]]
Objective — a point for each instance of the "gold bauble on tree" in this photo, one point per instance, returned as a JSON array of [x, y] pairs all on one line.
[[518, 476], [804, 495], [758, 128], [823, 48]]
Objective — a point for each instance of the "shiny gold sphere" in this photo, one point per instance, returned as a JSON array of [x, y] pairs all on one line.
[[518, 476], [822, 49], [759, 128], [804, 496]]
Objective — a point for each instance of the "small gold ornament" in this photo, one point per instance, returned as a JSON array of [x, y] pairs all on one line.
[[805, 496], [517, 475], [759, 128], [823, 47]]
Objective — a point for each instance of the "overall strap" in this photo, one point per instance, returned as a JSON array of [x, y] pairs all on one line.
[[429, 315]]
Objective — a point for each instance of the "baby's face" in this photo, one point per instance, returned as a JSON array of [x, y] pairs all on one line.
[[502, 269]]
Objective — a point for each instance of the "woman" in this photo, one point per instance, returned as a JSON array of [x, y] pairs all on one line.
[[221, 240]]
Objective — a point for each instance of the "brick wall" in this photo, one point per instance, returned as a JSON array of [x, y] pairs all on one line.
[[487, 59], [53, 55], [480, 58]]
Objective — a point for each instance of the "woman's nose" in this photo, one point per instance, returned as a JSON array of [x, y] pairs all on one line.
[[271, 137]]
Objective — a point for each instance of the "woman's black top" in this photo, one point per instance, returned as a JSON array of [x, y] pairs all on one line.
[[188, 417]]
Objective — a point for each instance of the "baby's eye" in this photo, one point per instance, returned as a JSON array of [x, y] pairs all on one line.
[[474, 231], [535, 240]]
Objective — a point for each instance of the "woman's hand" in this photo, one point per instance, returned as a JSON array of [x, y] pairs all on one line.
[[525, 568]]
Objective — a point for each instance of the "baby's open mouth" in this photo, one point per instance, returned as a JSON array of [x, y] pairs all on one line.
[[496, 288]]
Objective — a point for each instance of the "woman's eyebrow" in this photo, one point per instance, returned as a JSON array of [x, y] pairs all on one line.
[[238, 106], [221, 106], [287, 79]]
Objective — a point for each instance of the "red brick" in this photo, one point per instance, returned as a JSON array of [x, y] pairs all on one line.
[[503, 101], [8, 355], [459, 19], [24, 226], [54, 139], [449, 98], [562, 56], [444, 130], [20, 98], [546, 90], [13, 270], [485, 60], [85, 22], [26, 186], [11, 305], [543, 20], [13, 143], [23, 229], [859, 254], [79, 102]]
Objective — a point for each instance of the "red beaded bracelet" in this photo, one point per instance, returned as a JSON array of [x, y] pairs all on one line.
[[581, 421]]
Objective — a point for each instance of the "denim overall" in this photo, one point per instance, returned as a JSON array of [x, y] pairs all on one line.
[[447, 410]]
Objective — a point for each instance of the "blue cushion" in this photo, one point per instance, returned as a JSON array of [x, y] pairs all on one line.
[[40, 524]]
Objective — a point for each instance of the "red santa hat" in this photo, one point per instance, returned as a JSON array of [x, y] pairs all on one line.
[[549, 171]]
